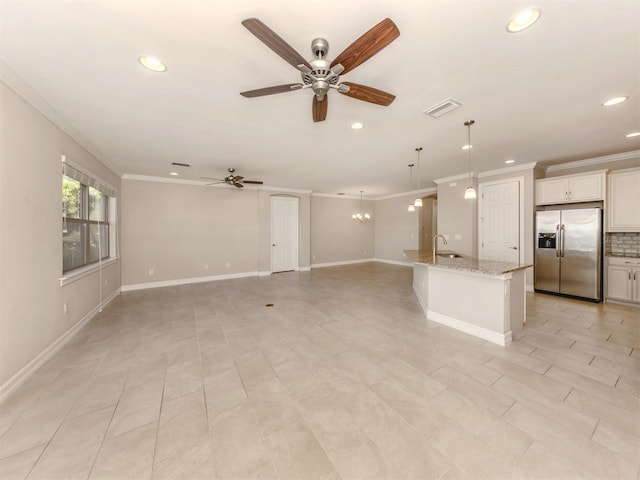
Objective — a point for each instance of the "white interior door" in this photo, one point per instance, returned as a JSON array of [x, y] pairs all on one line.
[[500, 238], [284, 234]]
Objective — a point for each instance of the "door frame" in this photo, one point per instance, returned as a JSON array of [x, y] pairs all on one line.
[[296, 237], [481, 187]]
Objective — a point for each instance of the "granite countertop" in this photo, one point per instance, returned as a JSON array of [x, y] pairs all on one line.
[[465, 263]]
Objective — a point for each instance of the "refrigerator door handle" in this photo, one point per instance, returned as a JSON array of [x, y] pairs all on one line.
[[562, 240], [557, 240]]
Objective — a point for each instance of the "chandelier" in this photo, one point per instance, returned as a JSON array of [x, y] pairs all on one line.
[[361, 217]]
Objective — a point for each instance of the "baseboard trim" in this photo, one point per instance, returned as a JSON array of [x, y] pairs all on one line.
[[529, 287], [304, 269], [393, 262], [186, 281], [337, 264], [503, 339], [43, 357]]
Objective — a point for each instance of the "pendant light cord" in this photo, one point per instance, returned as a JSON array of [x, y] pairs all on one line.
[[468, 124]]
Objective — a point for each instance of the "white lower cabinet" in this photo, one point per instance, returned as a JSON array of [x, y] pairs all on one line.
[[623, 279]]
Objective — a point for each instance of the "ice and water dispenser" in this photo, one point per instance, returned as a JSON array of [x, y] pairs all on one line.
[[547, 240]]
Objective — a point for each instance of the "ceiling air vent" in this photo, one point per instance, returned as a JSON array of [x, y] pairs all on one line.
[[178, 164], [443, 107]]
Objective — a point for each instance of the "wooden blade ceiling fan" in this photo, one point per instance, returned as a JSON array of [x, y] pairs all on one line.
[[232, 179], [319, 74]]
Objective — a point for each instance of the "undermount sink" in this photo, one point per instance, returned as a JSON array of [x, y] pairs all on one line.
[[449, 255]]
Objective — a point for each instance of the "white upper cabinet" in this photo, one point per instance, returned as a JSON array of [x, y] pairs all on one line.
[[623, 201], [585, 187]]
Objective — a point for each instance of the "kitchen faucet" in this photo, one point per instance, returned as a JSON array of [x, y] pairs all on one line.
[[435, 244]]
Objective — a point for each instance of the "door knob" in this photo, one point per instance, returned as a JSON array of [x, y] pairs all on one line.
[[513, 248], [274, 244]]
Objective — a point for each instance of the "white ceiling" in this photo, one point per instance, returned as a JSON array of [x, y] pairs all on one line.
[[535, 96]]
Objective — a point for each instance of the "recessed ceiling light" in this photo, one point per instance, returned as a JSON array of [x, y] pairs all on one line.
[[510, 161], [614, 101], [467, 147], [632, 134], [523, 19], [357, 125], [175, 174], [152, 63]]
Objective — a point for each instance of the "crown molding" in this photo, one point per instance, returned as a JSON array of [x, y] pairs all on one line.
[[418, 193], [15, 82], [511, 169], [205, 183], [616, 157], [462, 176], [333, 195]]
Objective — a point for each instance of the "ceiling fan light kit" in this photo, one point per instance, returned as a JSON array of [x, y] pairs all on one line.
[[237, 181], [320, 75]]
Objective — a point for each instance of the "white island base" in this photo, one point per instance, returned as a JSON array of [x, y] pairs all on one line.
[[491, 306]]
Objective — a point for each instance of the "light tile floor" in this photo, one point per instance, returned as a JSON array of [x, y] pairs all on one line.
[[342, 378]]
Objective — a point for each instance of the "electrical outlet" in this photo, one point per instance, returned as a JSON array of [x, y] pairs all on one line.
[[364, 252], [206, 267], [151, 271], [106, 283], [228, 265], [457, 236], [65, 308]]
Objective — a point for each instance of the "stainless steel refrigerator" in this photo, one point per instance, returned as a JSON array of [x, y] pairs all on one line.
[[568, 257]]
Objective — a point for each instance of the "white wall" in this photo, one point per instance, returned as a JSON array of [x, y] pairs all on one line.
[[335, 237], [31, 298]]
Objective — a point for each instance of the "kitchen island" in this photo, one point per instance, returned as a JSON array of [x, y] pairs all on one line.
[[480, 297]]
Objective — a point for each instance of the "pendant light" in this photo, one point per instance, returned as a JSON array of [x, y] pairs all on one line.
[[361, 217], [411, 207], [470, 192], [418, 200]]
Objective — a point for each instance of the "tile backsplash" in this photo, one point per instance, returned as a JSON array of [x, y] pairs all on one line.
[[622, 244]]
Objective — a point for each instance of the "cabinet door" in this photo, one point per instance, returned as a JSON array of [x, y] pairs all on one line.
[[624, 197], [635, 294], [552, 190], [618, 282], [585, 188]]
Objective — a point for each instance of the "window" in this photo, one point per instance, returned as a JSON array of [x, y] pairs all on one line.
[[85, 224]]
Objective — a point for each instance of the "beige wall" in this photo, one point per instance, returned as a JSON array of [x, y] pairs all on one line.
[[184, 232], [395, 229], [335, 237], [428, 222], [457, 216], [31, 299]]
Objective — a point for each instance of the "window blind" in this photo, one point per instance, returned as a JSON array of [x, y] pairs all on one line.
[[84, 176]]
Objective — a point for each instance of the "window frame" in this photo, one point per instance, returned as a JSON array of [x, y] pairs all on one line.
[[85, 223]]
